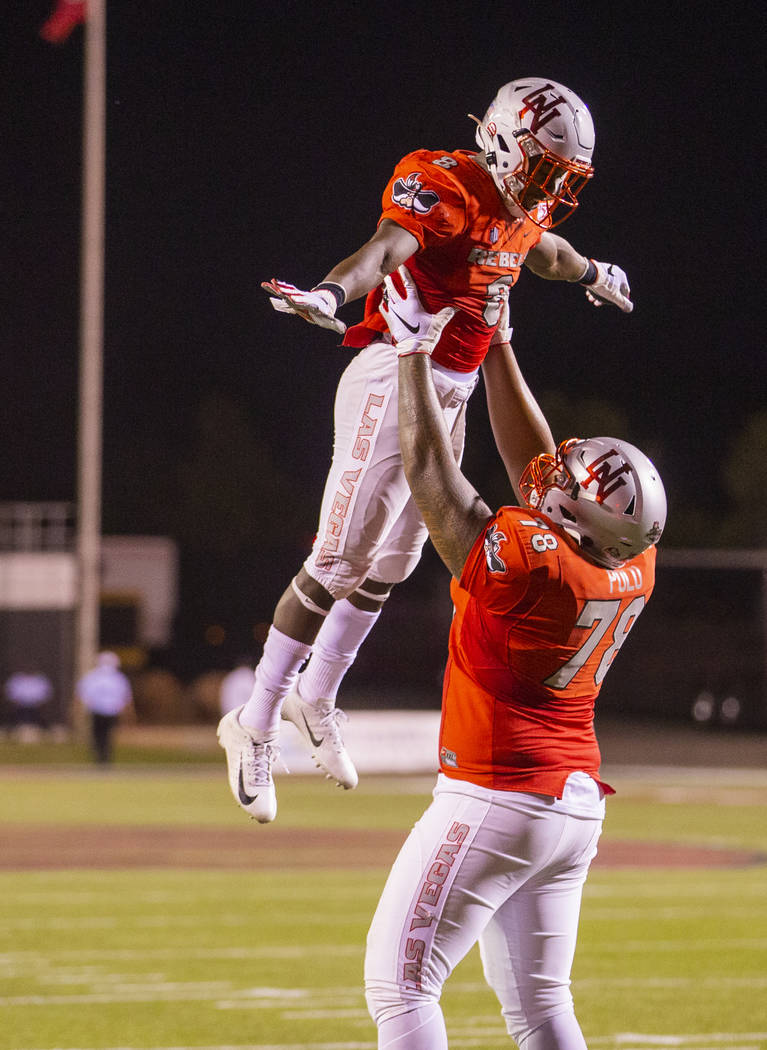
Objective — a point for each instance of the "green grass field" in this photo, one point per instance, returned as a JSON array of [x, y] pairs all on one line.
[[272, 959]]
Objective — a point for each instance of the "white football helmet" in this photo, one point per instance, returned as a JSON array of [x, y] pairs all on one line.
[[537, 138], [603, 492]]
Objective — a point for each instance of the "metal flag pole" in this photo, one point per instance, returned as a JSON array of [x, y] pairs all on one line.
[[91, 337]]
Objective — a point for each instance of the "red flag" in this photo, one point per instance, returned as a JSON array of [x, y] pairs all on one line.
[[66, 15]]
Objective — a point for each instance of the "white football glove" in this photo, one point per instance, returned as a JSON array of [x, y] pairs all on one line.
[[414, 330], [611, 286], [502, 334], [316, 307]]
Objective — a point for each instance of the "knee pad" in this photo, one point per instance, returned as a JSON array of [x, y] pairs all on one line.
[[386, 999], [561, 1030], [404, 1023]]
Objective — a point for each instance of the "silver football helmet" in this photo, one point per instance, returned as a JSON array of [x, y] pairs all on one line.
[[603, 492], [537, 138]]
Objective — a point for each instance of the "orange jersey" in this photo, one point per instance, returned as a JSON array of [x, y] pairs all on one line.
[[535, 630], [470, 246]]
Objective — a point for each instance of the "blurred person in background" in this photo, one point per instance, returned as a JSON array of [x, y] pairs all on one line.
[[28, 693], [106, 693], [236, 686]]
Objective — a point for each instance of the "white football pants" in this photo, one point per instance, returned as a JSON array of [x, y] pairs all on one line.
[[499, 867], [369, 524]]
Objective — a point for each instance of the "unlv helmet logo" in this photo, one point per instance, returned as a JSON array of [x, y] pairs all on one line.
[[654, 534], [542, 107], [607, 481]]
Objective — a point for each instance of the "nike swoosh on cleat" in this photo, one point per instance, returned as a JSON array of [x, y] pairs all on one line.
[[414, 328], [312, 737], [242, 794]]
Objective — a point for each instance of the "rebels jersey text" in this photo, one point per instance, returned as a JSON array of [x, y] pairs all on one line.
[[470, 247], [536, 628]]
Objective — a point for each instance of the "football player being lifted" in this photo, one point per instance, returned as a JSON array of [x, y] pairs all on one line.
[[464, 223]]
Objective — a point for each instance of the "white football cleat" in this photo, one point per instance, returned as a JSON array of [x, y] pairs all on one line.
[[249, 757], [318, 725]]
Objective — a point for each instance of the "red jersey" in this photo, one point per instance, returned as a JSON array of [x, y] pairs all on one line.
[[470, 246], [536, 628]]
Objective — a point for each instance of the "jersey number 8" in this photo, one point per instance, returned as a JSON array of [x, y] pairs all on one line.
[[494, 297]]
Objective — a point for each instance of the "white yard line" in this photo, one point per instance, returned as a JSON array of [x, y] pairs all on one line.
[[623, 1041], [635, 1040], [368, 1045], [61, 955]]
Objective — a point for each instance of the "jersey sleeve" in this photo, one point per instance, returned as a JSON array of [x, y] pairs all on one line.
[[422, 197], [497, 570]]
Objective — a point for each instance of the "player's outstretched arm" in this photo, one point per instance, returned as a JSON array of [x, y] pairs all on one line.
[[389, 247], [453, 511], [518, 423], [353, 277], [555, 259]]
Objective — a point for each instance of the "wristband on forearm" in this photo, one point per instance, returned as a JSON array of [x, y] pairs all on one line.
[[589, 274], [335, 290]]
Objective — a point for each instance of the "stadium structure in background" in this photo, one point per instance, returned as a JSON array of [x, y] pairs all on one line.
[[39, 592], [699, 650]]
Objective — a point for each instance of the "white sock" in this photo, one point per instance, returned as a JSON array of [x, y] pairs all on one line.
[[276, 674], [343, 631]]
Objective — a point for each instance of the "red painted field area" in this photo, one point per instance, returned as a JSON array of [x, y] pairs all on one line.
[[52, 847]]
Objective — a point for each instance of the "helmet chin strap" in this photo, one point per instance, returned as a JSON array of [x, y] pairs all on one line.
[[477, 121], [484, 141], [572, 532], [514, 209]]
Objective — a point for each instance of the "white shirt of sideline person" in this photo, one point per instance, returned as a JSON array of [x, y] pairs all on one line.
[[105, 690], [236, 687], [28, 689]]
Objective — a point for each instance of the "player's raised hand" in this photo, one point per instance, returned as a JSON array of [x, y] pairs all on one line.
[[611, 285], [502, 333], [317, 306], [414, 330]]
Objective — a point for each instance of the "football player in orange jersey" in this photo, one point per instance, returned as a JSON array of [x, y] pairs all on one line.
[[545, 593], [465, 223]]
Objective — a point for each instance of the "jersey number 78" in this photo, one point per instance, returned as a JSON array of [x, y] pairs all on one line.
[[603, 616]]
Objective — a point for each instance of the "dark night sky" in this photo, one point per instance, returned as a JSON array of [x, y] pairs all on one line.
[[249, 140]]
